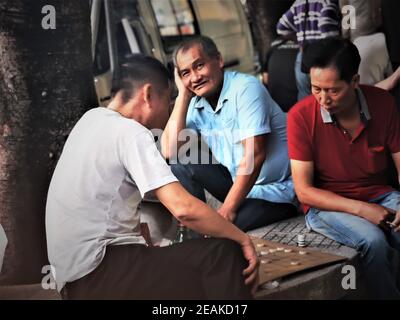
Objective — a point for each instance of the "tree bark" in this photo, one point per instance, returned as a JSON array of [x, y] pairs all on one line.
[[46, 84], [265, 14]]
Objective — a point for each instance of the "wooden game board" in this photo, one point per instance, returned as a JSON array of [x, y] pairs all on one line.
[[278, 260]]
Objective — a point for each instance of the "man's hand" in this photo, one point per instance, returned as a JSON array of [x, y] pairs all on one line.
[[375, 213], [182, 90], [227, 213], [396, 222], [251, 272]]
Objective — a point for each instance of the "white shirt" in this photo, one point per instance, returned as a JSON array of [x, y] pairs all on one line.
[[3, 245], [107, 165], [375, 62]]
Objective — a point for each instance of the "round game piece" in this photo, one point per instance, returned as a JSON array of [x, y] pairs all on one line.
[[260, 245], [301, 240], [265, 261], [294, 263], [303, 252], [288, 250], [272, 250], [280, 249], [270, 285], [264, 253]]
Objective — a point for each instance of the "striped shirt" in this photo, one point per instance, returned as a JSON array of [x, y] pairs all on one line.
[[323, 20]]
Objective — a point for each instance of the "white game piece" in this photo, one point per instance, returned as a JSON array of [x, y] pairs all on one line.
[[303, 252], [260, 245], [301, 240], [272, 250], [270, 285], [288, 250], [294, 263], [280, 249], [265, 261], [264, 253]]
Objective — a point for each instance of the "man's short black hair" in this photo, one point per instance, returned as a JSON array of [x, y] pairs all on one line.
[[208, 45], [136, 72], [339, 53]]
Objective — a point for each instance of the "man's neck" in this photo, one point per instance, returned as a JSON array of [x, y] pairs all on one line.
[[213, 99], [121, 110], [352, 112]]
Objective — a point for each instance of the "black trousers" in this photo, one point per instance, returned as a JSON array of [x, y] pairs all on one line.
[[216, 179], [192, 270]]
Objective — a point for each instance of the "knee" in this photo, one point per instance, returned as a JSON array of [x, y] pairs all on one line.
[[375, 246], [181, 171], [228, 248]]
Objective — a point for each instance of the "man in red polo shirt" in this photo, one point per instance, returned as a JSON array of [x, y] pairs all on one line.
[[340, 139]]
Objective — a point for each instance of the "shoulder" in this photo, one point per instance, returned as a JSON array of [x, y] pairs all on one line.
[[372, 91], [381, 104], [304, 108], [242, 85], [376, 96], [126, 129], [236, 79]]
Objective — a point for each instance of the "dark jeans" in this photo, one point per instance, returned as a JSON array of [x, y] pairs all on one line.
[[216, 179], [192, 270]]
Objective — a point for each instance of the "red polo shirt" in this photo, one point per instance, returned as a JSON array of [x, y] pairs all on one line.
[[351, 167]]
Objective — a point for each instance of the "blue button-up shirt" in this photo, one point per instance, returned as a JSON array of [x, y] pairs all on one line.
[[244, 110]]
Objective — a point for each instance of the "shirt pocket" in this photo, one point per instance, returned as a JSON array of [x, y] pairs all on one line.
[[377, 159]]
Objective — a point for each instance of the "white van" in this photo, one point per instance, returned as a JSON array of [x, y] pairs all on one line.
[[121, 28]]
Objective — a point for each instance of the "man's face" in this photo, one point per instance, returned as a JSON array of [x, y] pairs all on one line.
[[200, 74], [333, 94]]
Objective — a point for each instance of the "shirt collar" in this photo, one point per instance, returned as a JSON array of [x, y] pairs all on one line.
[[364, 110]]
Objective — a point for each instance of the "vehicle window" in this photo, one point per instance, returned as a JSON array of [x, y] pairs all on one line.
[[175, 20], [101, 63], [217, 24]]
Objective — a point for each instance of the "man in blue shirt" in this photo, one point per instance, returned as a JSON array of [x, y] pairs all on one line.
[[245, 131]]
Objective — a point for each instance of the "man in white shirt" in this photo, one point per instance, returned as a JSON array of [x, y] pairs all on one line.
[[93, 231]]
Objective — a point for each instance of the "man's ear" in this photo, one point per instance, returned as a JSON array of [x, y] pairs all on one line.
[[356, 80], [147, 91], [220, 61]]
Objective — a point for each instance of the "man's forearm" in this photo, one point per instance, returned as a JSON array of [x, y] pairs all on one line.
[[241, 187], [238, 192], [329, 201], [196, 215], [175, 124], [396, 160], [209, 223], [390, 82]]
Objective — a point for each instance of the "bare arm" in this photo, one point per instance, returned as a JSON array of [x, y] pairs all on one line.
[[265, 78], [303, 174], [196, 215], [396, 160], [247, 174], [177, 121], [390, 82]]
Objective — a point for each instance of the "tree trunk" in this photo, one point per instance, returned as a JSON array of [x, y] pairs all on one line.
[[265, 15], [46, 84]]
